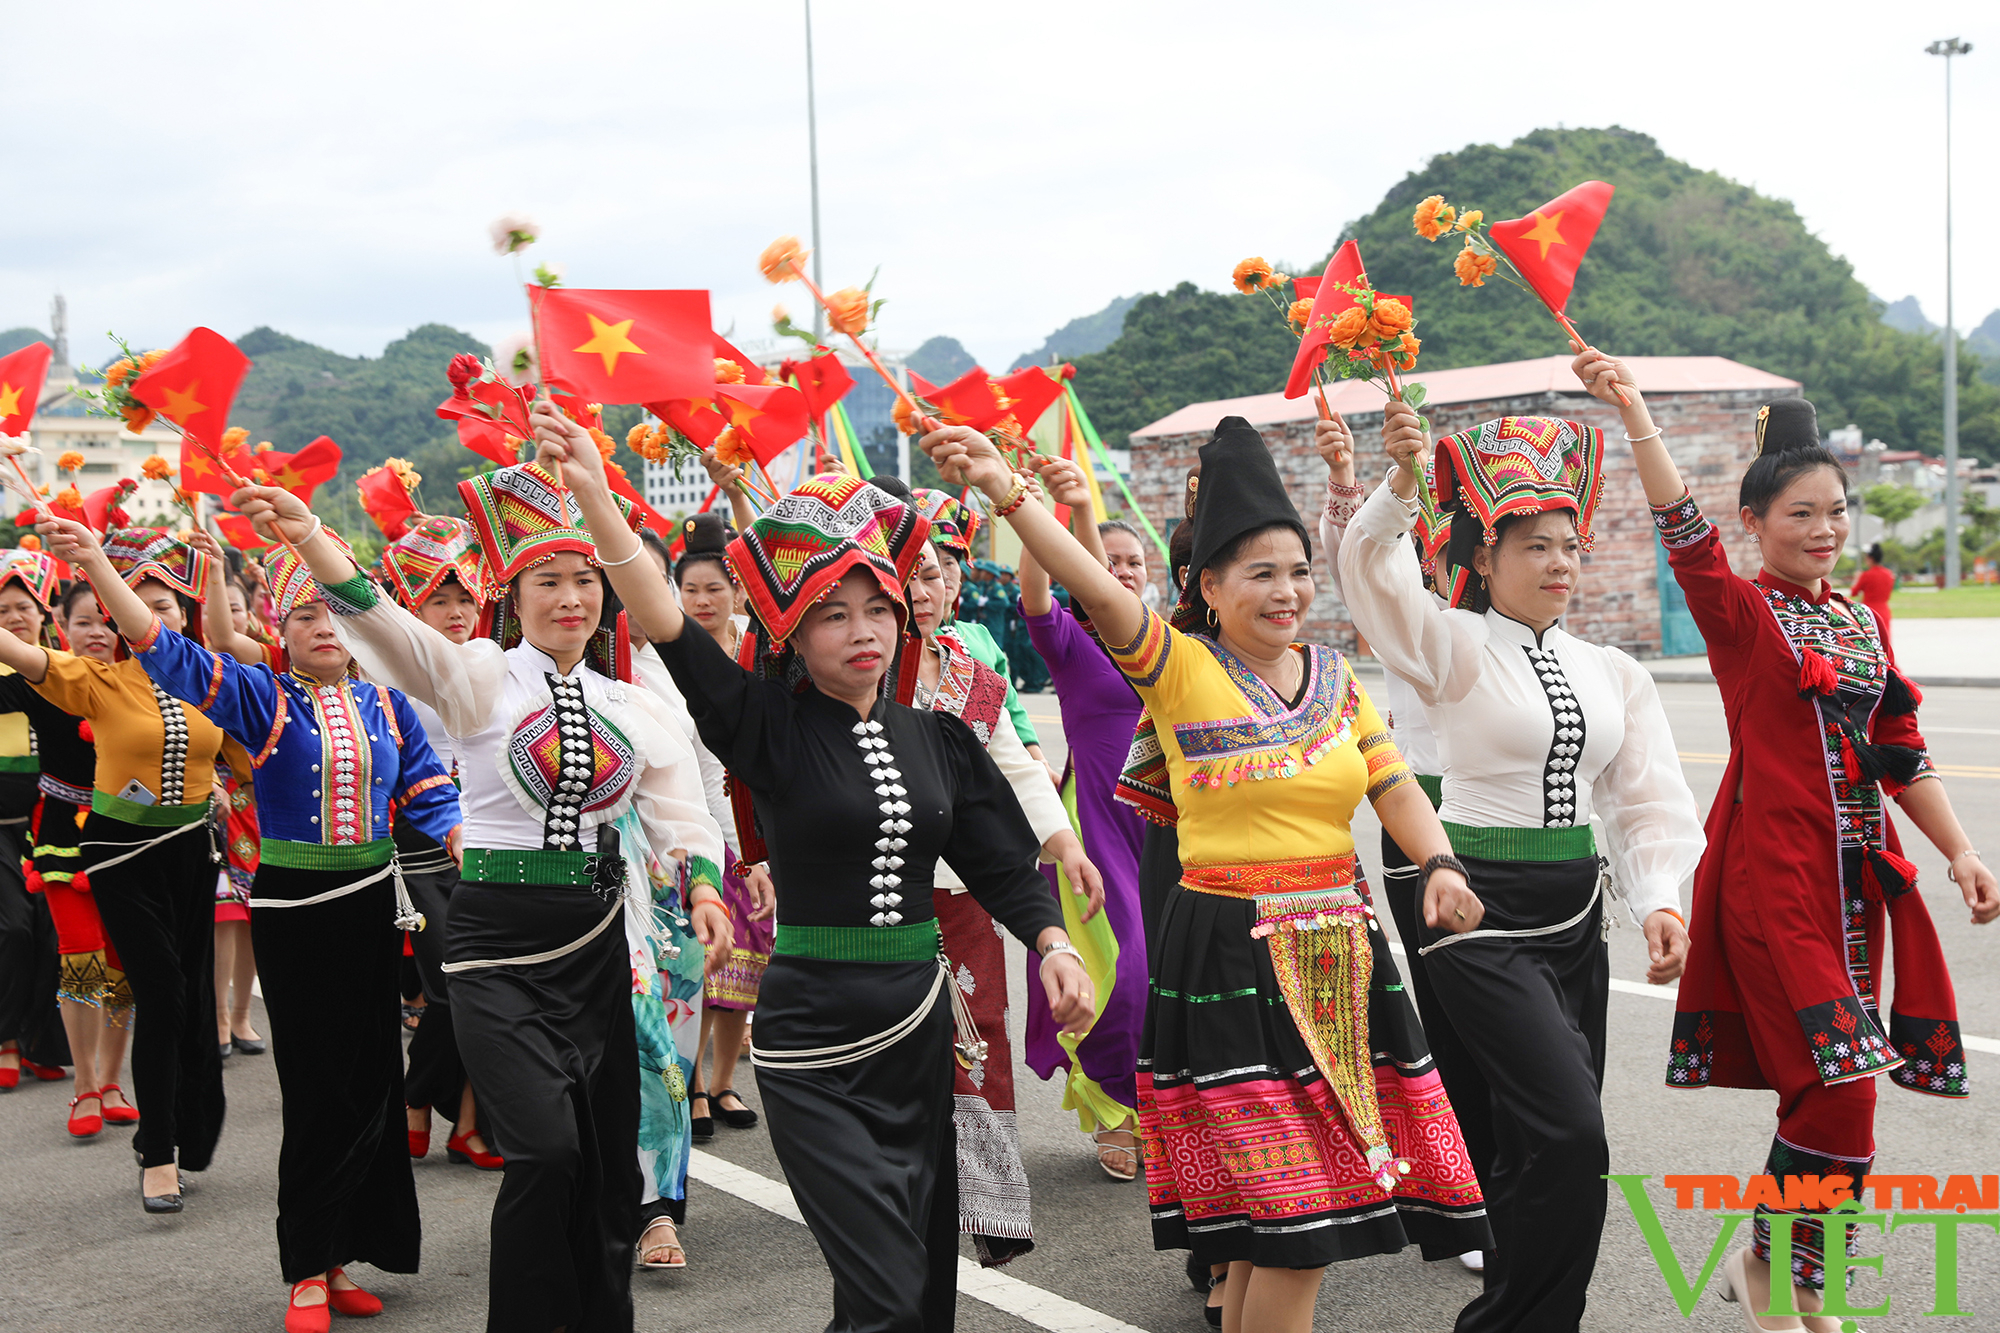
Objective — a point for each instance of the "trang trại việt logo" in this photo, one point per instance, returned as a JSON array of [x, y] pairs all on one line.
[[1947, 1206]]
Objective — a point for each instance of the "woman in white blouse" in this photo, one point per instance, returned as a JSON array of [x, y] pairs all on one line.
[[1537, 731]]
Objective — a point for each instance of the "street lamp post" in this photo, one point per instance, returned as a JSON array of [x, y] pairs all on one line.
[[812, 144], [1949, 47]]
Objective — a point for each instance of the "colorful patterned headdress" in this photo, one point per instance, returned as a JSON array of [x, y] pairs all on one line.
[[431, 551], [954, 523], [522, 516], [35, 571], [138, 554], [291, 578], [1515, 465], [802, 546]]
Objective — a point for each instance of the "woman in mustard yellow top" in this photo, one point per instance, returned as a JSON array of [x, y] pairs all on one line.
[[1272, 1141], [150, 859]]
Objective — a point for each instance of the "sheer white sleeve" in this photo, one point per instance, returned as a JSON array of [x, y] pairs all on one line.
[[1438, 652], [461, 681], [1652, 827]]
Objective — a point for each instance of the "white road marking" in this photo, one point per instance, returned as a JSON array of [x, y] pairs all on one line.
[[1010, 1295]]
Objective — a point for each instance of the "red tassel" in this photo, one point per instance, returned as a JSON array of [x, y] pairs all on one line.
[[88, 736], [1851, 761], [1816, 675], [1885, 875]]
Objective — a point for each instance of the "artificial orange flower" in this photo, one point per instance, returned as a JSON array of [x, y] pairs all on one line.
[[263, 447], [732, 448], [137, 417], [727, 371], [659, 445], [30, 542], [151, 359], [1406, 351], [783, 259], [635, 437], [847, 311], [614, 470], [69, 461], [1433, 217], [1300, 312], [1473, 268], [1391, 317], [119, 372], [904, 416], [1349, 327], [43, 490], [260, 476], [606, 446], [70, 498], [233, 438], [1471, 218], [156, 468], [1253, 274]]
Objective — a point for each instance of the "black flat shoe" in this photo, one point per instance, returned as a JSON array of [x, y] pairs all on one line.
[[741, 1118], [249, 1045], [157, 1203], [703, 1126]]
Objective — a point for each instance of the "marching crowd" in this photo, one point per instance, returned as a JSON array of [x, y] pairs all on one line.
[[579, 804]]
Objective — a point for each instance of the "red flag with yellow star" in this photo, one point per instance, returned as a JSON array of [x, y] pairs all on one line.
[[822, 379], [22, 375], [1343, 270], [609, 346], [1548, 244], [194, 384], [1032, 392], [220, 472], [769, 418], [236, 530], [301, 473], [752, 372]]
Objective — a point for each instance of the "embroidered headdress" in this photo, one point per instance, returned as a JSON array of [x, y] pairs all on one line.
[[1240, 493], [522, 516], [795, 553], [33, 570], [431, 551], [138, 554], [291, 578], [1512, 465], [954, 524]]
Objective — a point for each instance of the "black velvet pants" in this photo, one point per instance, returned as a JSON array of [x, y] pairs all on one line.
[[29, 967], [345, 1192], [553, 1060], [158, 910], [1531, 1013], [868, 1148], [436, 1075]]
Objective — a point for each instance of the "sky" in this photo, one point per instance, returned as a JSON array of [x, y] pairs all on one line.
[[332, 171]]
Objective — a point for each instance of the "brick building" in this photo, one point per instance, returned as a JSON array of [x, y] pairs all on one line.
[[1707, 406]]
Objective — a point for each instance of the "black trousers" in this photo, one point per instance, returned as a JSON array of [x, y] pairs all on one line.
[[1531, 1012], [554, 1061], [868, 1148], [437, 1075], [29, 968], [345, 1192], [1464, 1082], [158, 909]]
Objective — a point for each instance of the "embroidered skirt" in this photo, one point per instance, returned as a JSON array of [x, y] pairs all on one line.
[[1250, 1146], [992, 1180], [735, 986]]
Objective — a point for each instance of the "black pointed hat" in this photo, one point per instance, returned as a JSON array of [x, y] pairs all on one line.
[[1240, 492], [1785, 425]]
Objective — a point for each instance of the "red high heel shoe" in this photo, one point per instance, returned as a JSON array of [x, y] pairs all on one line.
[[420, 1142], [10, 1077], [353, 1301], [456, 1150], [46, 1073], [308, 1318], [86, 1126], [127, 1114]]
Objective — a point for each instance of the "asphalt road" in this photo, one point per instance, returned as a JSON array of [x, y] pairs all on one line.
[[77, 1254]]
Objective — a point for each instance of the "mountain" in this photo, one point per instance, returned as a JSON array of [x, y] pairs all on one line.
[[941, 360], [1082, 335], [1984, 342], [1906, 315], [1686, 263], [13, 340]]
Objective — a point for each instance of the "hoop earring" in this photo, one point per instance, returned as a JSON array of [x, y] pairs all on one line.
[[1213, 623]]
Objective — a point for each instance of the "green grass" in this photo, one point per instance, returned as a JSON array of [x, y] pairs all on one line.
[[1970, 599]]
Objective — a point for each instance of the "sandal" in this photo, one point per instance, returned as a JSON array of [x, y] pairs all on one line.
[[670, 1250], [1110, 1163]]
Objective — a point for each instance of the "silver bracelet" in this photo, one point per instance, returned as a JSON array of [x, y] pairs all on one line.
[[311, 532], [1062, 946], [602, 563], [1951, 866], [1643, 438]]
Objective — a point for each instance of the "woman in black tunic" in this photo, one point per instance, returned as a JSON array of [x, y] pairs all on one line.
[[857, 798]]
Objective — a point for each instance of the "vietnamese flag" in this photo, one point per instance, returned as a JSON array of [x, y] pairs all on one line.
[[217, 473], [770, 418], [194, 384], [104, 509], [1329, 298], [304, 472], [236, 530], [609, 346], [1032, 391], [752, 372], [1548, 244], [386, 499], [822, 379], [969, 400], [22, 375]]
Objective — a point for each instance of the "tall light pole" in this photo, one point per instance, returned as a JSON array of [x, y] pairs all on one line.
[[1949, 47], [812, 143]]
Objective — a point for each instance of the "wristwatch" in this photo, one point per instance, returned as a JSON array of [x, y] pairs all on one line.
[[1062, 946]]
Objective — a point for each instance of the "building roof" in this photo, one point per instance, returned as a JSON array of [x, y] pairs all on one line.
[[1467, 384]]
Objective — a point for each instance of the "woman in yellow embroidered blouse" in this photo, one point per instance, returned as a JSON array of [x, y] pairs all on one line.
[[1272, 1142], [149, 859]]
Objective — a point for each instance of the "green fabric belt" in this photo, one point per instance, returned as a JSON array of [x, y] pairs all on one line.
[[147, 816], [1433, 788], [20, 763], [541, 867], [860, 944], [318, 856], [1521, 844]]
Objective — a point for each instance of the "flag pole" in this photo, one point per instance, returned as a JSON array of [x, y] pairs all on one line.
[[812, 154]]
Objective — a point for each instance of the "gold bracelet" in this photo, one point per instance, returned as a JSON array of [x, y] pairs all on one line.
[[1015, 499]]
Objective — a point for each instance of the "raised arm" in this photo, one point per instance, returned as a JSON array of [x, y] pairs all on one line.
[[30, 660], [965, 457], [1066, 485], [1334, 443], [218, 626], [77, 544], [1603, 376], [729, 478]]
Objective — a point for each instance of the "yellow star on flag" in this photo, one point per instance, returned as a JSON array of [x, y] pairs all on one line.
[[1545, 231], [741, 414], [286, 477], [609, 341], [182, 404], [10, 399]]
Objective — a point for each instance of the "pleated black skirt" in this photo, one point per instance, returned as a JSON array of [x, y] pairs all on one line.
[[436, 1075], [868, 1148], [345, 1192]]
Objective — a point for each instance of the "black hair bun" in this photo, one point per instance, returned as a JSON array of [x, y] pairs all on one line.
[[895, 485], [1787, 426], [706, 532]]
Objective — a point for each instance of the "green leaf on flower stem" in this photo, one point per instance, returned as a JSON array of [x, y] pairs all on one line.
[[1415, 394]]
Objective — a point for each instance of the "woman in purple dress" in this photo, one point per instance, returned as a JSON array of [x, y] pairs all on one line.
[[1099, 711]]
